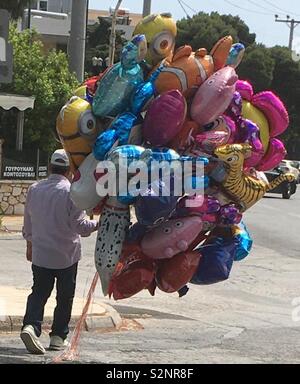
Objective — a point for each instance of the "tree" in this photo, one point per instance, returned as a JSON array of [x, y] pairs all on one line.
[[98, 44], [286, 83], [44, 76], [258, 67], [14, 7], [204, 30]]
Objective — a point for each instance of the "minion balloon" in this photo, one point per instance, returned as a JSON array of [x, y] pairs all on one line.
[[77, 129], [160, 31]]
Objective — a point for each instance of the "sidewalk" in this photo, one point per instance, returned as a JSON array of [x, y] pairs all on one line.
[[13, 304], [11, 224], [13, 297]]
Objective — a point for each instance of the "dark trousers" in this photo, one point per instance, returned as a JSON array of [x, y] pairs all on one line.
[[43, 284]]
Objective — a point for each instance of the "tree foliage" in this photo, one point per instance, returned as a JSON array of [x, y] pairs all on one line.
[[204, 30], [44, 76], [14, 7], [97, 44], [258, 67]]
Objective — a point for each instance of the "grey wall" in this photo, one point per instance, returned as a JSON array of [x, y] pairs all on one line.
[[64, 6]]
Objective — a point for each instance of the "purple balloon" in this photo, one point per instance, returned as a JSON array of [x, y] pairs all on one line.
[[165, 118], [230, 215], [236, 106]]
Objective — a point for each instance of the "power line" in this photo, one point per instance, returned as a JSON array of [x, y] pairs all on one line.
[[280, 9], [261, 6], [192, 9], [184, 10], [247, 9]]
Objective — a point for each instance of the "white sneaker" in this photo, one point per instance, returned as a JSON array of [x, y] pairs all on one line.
[[57, 343], [31, 341]]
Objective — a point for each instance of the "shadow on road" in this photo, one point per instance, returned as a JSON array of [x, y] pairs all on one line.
[[135, 312], [17, 356]]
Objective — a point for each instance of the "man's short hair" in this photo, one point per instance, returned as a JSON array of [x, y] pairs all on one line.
[[58, 170]]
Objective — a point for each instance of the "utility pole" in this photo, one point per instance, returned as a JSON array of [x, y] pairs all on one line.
[[112, 39], [29, 15], [292, 24], [76, 49], [146, 8]]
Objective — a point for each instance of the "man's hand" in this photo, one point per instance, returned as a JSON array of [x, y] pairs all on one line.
[[29, 251]]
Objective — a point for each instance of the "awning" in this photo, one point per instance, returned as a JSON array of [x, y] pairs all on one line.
[[8, 101]]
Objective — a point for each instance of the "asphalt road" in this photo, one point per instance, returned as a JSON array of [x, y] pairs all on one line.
[[248, 319]]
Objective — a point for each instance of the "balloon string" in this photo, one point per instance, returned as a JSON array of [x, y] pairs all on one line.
[[71, 353]]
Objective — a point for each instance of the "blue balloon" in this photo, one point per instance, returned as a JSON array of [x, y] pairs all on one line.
[[164, 154], [216, 262], [126, 200], [145, 92], [244, 242], [236, 55], [120, 130], [130, 152], [151, 208], [104, 143], [117, 86], [123, 125]]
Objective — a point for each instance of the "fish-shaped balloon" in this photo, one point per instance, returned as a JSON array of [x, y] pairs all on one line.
[[214, 96], [117, 86], [113, 225]]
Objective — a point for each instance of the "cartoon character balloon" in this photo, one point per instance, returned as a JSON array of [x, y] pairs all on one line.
[[160, 31], [121, 80], [77, 129], [171, 238], [214, 96]]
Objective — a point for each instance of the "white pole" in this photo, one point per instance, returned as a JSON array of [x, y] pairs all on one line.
[[112, 43]]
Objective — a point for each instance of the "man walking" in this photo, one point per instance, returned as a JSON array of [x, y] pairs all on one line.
[[52, 228]]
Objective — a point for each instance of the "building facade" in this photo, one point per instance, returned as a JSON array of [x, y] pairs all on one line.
[[52, 20]]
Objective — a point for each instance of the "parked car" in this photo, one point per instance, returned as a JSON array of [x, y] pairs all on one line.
[[291, 167], [286, 189]]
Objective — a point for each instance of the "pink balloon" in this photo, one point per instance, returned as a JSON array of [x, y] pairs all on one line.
[[171, 238], [245, 89], [220, 132], [275, 154], [274, 110], [165, 118], [214, 96], [254, 159]]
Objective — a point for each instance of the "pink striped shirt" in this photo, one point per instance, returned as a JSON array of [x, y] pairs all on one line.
[[53, 224]]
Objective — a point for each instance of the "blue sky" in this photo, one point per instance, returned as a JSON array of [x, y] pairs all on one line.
[[258, 14]]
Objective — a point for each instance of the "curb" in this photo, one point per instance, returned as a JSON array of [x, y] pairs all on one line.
[[111, 320]]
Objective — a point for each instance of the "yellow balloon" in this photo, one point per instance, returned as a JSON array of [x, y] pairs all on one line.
[[254, 114], [77, 129], [80, 92], [160, 32]]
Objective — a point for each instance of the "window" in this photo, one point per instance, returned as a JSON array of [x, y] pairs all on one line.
[[43, 5]]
